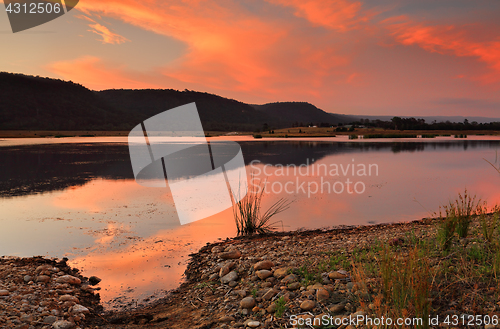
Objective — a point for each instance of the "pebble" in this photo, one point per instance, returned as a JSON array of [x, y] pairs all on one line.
[[322, 295], [308, 305], [69, 279], [63, 324], [248, 302], [337, 308], [226, 318], [43, 278], [76, 309], [94, 280], [68, 298], [263, 274], [263, 265], [253, 324], [231, 276], [281, 272], [49, 319], [234, 254], [337, 275]]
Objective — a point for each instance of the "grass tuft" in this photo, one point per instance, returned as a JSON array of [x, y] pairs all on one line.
[[247, 212]]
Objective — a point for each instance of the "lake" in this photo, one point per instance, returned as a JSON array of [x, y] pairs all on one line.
[[77, 198]]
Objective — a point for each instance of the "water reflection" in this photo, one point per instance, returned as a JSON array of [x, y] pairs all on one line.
[[30, 169]]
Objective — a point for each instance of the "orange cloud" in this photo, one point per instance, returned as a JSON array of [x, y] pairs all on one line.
[[340, 15], [107, 35], [448, 40], [229, 48]]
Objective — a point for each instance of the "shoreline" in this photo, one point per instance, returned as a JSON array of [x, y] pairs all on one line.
[[240, 282], [279, 133]]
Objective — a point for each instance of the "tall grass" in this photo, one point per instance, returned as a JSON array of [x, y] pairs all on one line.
[[462, 209], [247, 212], [407, 283], [459, 215], [446, 231]]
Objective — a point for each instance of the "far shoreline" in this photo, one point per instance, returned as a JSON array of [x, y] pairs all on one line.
[[296, 132]]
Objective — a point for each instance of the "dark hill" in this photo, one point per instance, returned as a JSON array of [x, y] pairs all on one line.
[[216, 113], [28, 102], [35, 103], [300, 114]]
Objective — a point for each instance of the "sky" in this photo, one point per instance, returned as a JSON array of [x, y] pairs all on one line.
[[370, 57]]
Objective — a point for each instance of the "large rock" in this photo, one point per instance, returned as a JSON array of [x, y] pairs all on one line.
[[231, 276], [263, 265], [234, 254], [248, 303], [69, 279]]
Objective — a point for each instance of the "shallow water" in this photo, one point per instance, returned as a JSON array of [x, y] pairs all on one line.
[[78, 199]]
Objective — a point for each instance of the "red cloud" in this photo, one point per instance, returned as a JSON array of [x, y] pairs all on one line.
[[448, 40]]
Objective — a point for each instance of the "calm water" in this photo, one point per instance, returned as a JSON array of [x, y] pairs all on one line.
[[77, 198]]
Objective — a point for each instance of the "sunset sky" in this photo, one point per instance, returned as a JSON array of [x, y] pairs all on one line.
[[372, 57]]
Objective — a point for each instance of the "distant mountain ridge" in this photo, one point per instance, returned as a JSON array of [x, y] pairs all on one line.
[[300, 114], [429, 119], [35, 103]]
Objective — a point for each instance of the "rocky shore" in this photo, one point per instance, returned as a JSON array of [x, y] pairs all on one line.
[[266, 281], [271, 281], [44, 293]]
